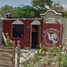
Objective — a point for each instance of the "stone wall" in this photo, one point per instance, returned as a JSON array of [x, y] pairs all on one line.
[[1, 30]]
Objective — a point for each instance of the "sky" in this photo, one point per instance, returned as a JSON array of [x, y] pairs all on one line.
[[62, 2], [17, 3]]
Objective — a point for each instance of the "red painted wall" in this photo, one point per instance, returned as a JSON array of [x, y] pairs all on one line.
[[51, 34], [26, 41]]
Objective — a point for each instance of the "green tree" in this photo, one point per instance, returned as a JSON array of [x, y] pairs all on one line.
[[57, 7], [5, 9], [28, 11], [41, 3], [17, 12], [65, 14]]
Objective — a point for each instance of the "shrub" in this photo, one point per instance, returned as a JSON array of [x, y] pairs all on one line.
[[8, 41]]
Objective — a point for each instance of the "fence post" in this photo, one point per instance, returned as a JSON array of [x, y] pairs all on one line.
[[18, 53], [13, 53]]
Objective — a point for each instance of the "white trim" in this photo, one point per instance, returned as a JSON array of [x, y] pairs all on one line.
[[51, 11], [17, 22], [31, 36], [36, 22], [50, 18]]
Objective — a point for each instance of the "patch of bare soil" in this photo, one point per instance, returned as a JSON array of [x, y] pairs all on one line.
[[41, 61], [51, 58]]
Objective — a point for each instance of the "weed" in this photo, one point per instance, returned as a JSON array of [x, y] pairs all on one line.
[[8, 41]]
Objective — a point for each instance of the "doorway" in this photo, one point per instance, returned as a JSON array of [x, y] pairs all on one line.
[[35, 36]]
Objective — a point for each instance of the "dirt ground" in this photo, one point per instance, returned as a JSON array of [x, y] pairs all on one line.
[[43, 61], [25, 55], [29, 58]]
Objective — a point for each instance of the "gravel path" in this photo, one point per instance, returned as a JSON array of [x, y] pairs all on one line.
[[25, 55]]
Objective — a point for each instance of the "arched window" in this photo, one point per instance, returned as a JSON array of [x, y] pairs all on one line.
[[18, 29], [36, 22]]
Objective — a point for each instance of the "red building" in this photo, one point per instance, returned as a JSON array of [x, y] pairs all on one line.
[[33, 31], [27, 30]]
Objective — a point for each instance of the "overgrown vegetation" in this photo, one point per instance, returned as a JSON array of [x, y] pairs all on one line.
[[8, 41], [38, 7], [53, 57]]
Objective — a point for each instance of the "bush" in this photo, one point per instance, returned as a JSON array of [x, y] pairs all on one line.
[[8, 41]]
